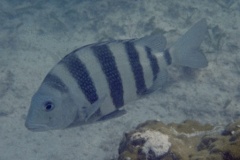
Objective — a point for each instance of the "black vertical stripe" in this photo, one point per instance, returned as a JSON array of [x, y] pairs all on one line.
[[136, 66], [109, 67], [80, 73], [153, 62], [167, 57], [55, 82]]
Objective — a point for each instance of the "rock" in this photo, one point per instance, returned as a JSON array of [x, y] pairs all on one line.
[[190, 140], [226, 145], [154, 143]]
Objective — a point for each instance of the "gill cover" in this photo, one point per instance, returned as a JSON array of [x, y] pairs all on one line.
[[50, 109]]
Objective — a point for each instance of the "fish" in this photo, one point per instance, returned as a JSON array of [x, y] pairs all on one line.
[[94, 82]]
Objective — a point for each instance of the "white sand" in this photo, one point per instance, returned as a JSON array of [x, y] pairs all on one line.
[[35, 35]]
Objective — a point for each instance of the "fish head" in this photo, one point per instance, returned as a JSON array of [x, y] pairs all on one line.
[[50, 109]]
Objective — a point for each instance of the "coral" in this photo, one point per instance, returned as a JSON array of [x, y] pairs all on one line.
[[227, 144], [155, 142], [190, 140]]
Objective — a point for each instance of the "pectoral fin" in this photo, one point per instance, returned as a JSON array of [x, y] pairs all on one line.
[[114, 114], [91, 109]]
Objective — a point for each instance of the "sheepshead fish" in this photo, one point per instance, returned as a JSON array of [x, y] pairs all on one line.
[[94, 82]]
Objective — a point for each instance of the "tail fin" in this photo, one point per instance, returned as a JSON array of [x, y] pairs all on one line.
[[186, 51]]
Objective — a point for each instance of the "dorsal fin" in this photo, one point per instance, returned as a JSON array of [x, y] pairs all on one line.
[[156, 42]]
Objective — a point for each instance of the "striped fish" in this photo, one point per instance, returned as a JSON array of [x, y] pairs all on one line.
[[94, 82]]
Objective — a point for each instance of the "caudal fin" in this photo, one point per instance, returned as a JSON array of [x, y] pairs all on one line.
[[186, 50]]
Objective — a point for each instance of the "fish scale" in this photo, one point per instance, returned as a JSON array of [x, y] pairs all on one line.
[[108, 64], [80, 73], [94, 82]]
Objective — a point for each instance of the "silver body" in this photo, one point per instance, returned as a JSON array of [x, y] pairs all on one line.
[[94, 82]]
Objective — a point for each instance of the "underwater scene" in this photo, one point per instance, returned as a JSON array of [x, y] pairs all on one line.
[[119, 80]]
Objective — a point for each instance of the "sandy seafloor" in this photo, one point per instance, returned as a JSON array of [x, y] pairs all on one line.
[[35, 35]]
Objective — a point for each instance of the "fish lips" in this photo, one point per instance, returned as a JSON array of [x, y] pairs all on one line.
[[36, 127]]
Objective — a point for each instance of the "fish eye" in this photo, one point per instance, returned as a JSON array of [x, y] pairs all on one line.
[[48, 106]]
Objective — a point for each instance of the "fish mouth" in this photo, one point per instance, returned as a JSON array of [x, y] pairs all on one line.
[[36, 127]]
